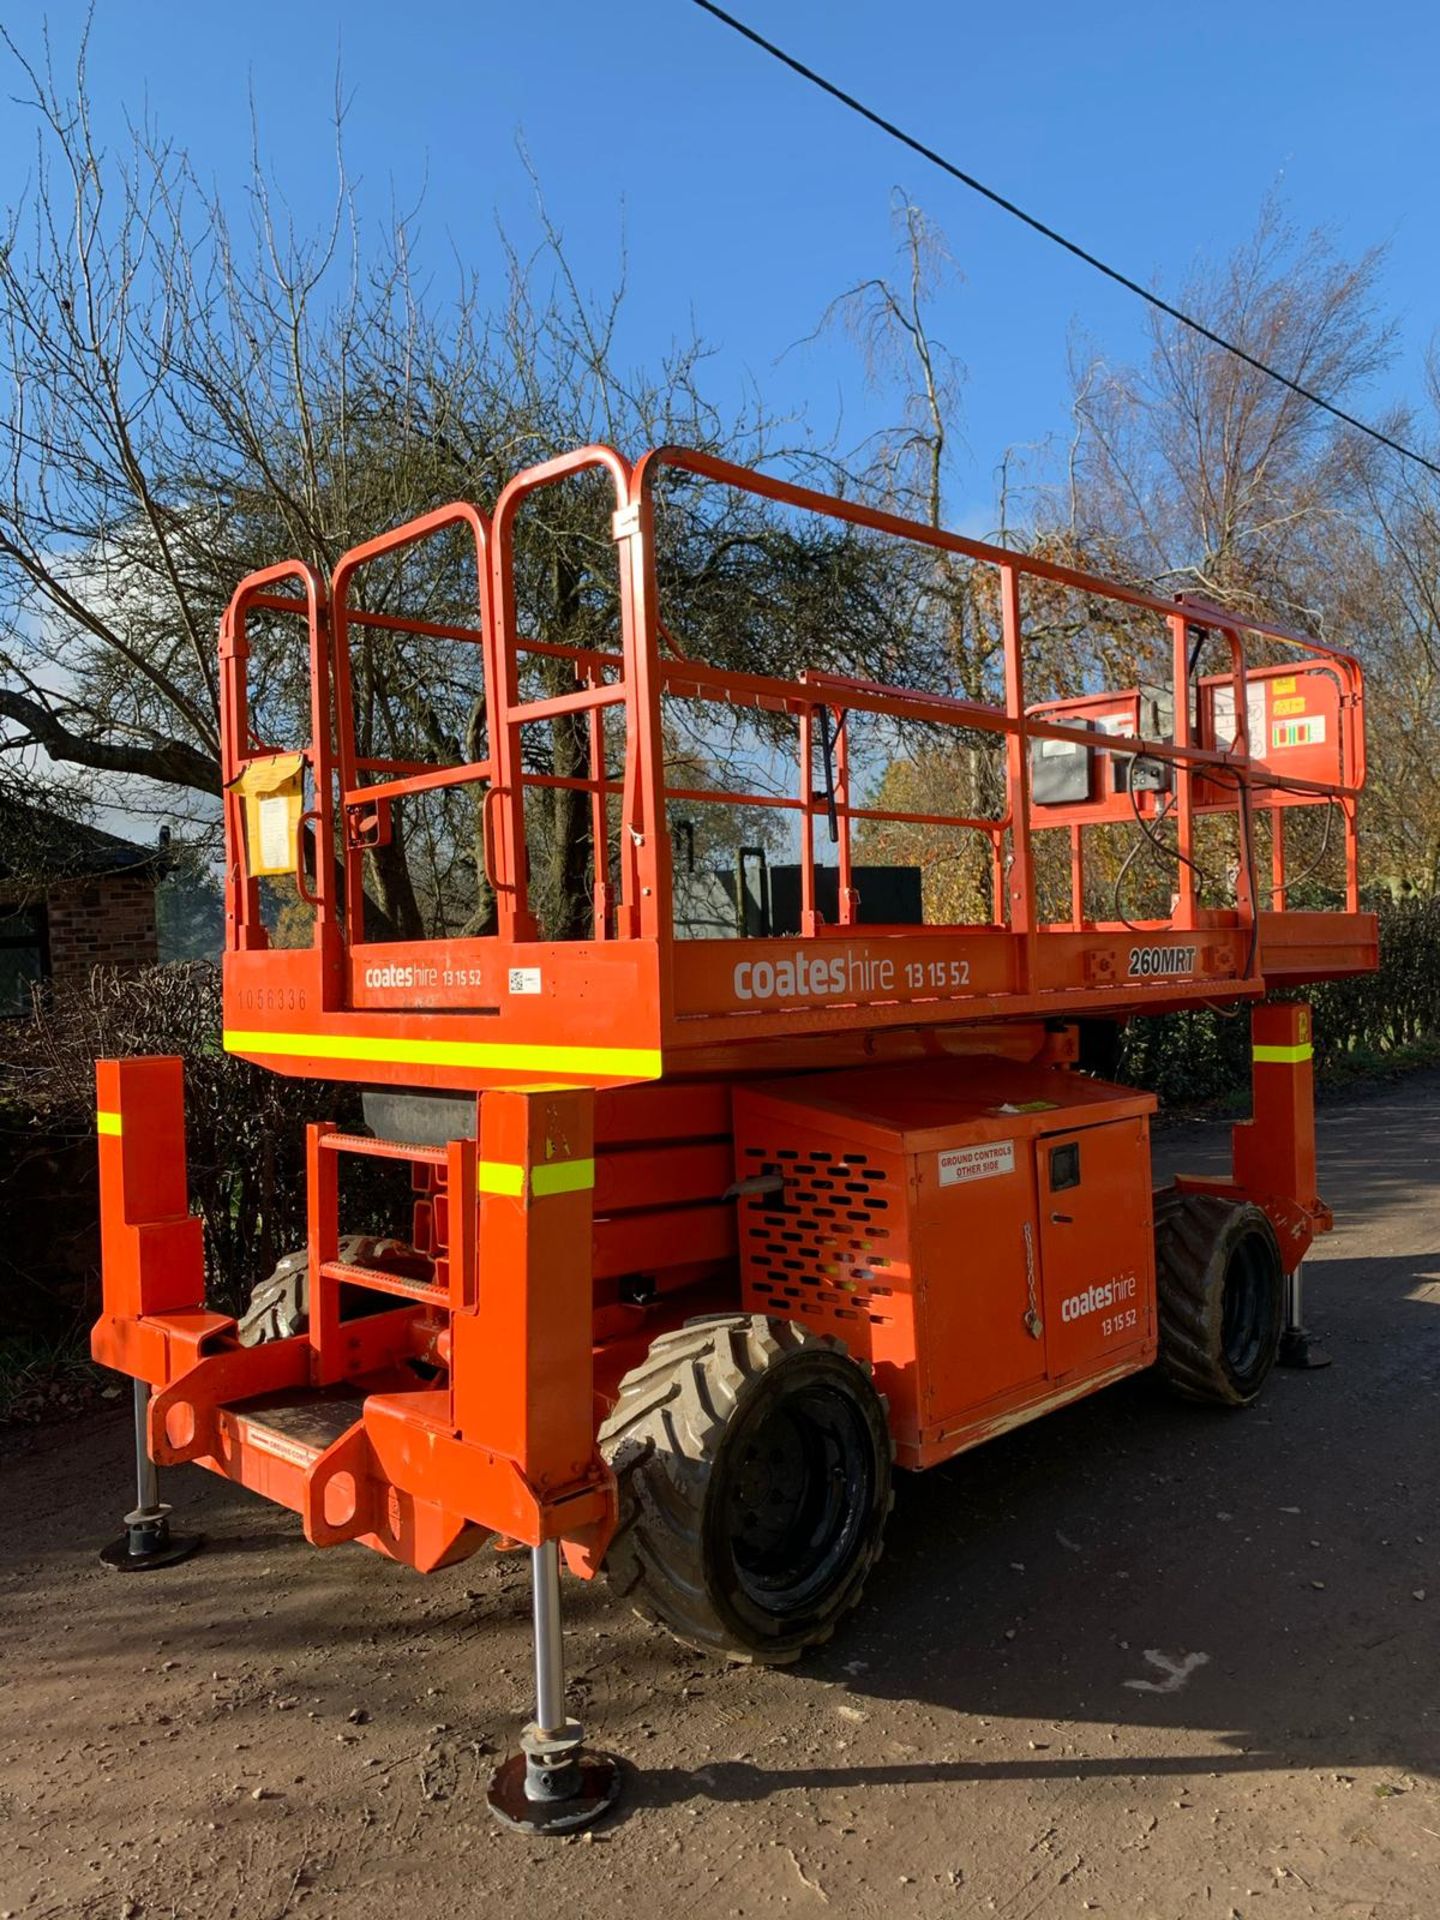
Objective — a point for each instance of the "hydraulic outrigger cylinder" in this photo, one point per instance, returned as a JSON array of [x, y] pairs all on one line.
[[147, 1541], [553, 1784]]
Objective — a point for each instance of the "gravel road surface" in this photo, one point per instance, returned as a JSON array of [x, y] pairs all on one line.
[[1138, 1658]]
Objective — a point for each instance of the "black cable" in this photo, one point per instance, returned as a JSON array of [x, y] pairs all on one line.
[[1125, 866], [1299, 879], [1245, 820], [1161, 846], [1049, 233], [1149, 837]]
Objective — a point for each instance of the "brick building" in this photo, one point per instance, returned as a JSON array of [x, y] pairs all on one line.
[[71, 898]]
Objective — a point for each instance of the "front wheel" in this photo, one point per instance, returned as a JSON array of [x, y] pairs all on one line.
[[753, 1464]]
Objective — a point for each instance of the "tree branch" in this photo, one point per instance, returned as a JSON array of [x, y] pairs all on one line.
[[173, 762]]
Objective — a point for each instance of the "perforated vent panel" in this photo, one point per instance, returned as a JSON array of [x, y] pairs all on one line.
[[822, 1249]]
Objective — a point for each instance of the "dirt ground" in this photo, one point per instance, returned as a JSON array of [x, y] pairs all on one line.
[[1136, 1659]]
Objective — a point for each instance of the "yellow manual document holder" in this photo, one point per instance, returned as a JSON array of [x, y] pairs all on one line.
[[273, 791]]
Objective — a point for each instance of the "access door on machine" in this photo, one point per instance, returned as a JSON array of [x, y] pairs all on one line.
[[1097, 1247], [981, 1329]]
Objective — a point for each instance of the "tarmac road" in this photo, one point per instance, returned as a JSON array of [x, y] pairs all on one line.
[[1139, 1658]]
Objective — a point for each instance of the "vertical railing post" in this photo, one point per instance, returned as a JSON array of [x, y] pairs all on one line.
[[1021, 900], [512, 905], [599, 816], [849, 899], [322, 771], [997, 877], [1184, 916], [809, 917], [1247, 899], [243, 928], [1352, 854], [352, 856], [645, 750]]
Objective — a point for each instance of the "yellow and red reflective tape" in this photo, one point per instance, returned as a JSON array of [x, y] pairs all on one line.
[[585, 1063], [107, 1121], [506, 1178], [1282, 1056]]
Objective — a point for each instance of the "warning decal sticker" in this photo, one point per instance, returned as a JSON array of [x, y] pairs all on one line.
[[958, 1164], [1309, 732]]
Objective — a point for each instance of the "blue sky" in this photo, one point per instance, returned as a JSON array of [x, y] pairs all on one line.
[[1152, 133]]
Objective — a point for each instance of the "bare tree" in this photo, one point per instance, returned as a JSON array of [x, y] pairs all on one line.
[[188, 397], [1196, 470], [889, 319]]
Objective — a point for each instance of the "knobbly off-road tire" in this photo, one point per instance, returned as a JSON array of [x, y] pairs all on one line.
[[280, 1304], [753, 1461], [1221, 1296]]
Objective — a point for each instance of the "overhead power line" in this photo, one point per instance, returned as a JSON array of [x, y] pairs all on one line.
[[1049, 233]]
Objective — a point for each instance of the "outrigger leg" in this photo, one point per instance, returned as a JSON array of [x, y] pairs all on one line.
[[553, 1785], [147, 1541], [1296, 1346]]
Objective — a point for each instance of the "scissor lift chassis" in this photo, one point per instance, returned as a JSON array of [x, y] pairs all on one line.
[[875, 1137]]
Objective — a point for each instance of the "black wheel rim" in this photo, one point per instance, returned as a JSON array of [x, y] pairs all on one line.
[[800, 1487], [1247, 1310]]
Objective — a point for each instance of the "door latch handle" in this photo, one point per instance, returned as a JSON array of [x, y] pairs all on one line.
[[1062, 1219]]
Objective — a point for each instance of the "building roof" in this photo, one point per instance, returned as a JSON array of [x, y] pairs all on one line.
[[38, 846]]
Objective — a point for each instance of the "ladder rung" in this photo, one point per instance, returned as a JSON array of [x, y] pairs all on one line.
[[383, 1149], [380, 1282]]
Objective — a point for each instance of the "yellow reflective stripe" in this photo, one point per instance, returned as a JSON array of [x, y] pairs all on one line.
[[562, 1176], [551, 1177], [107, 1122], [617, 1063], [1282, 1056]]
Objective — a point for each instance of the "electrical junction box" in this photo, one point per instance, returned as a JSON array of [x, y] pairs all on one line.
[[1152, 718], [979, 1231], [1061, 770]]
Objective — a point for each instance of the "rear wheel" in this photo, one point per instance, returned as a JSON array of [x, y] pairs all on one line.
[[753, 1463], [1221, 1293]]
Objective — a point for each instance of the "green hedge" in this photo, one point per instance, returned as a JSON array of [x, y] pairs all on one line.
[[1388, 1017], [244, 1127]]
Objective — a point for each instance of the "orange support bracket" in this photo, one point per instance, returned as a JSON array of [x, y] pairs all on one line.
[[523, 1366], [152, 1249], [1273, 1153]]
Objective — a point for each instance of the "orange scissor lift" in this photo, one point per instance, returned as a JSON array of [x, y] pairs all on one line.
[[708, 1231]]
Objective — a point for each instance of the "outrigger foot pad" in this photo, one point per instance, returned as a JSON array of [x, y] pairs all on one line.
[[147, 1543], [553, 1785], [1297, 1349]]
